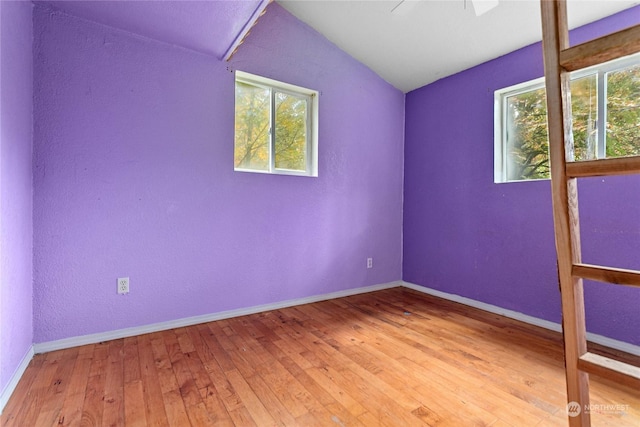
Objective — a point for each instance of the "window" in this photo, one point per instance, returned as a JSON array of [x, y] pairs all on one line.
[[605, 102], [275, 127]]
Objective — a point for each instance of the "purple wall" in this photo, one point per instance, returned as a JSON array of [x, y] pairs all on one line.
[[208, 27], [494, 243], [133, 176], [16, 231]]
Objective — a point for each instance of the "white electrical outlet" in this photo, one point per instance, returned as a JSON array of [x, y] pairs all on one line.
[[369, 262], [123, 285]]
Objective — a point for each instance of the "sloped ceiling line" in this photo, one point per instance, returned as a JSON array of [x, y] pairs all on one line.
[[246, 30]]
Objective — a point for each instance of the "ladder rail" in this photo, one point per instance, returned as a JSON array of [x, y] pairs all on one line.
[[555, 38], [559, 59]]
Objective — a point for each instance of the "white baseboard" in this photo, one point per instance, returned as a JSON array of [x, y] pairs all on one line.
[[128, 332], [595, 338], [15, 378], [188, 321]]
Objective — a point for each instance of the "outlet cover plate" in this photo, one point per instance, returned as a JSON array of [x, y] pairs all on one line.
[[123, 285]]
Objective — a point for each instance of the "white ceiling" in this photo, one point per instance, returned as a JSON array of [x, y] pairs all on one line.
[[425, 40]]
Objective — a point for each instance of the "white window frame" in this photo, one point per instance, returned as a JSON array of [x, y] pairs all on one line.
[[311, 96], [500, 112]]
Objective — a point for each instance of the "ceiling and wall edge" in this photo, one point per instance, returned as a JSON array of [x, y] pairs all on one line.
[[246, 30]]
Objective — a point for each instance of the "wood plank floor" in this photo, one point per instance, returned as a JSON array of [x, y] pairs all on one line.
[[389, 358]]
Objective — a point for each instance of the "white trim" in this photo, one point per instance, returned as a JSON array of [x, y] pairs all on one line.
[[267, 83], [311, 97], [500, 157], [500, 111], [595, 338], [235, 44], [15, 378], [188, 321], [178, 323]]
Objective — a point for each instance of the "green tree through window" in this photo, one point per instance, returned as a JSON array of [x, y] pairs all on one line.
[[524, 136], [623, 113], [252, 127], [273, 127], [527, 136], [291, 132]]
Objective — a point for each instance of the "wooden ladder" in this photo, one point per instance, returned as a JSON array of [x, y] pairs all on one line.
[[559, 60]]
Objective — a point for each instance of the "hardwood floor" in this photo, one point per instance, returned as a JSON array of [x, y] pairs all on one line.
[[389, 358]]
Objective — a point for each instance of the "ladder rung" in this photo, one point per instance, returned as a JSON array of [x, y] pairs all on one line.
[[612, 369], [602, 167], [617, 276], [603, 49]]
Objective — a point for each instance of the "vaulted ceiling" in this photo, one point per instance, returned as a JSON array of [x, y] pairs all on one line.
[[209, 27], [425, 40], [418, 43]]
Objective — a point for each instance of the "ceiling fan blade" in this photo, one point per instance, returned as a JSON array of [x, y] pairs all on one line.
[[404, 7], [483, 6]]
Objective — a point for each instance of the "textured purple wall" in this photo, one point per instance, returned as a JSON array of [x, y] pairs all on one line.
[[209, 27], [133, 176], [16, 231], [465, 235]]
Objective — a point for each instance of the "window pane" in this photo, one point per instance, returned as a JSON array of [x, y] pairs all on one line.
[[252, 127], [584, 107], [291, 132], [527, 136], [623, 113], [526, 139]]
